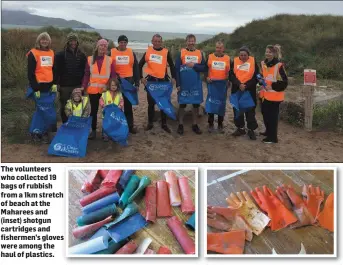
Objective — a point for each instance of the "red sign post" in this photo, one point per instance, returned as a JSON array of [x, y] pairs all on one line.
[[310, 77], [310, 80]]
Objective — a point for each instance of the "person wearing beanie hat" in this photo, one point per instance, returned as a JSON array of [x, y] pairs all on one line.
[[70, 67], [126, 66], [243, 75], [99, 69], [78, 105]]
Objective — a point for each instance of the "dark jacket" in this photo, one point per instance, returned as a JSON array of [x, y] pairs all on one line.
[[151, 78], [279, 85], [31, 75], [198, 67], [250, 84], [70, 67]]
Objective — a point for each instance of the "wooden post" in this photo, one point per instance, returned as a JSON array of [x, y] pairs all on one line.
[[309, 102]]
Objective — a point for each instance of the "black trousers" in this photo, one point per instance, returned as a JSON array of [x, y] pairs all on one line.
[[128, 106], [211, 119], [151, 110], [270, 112], [65, 95], [94, 101]]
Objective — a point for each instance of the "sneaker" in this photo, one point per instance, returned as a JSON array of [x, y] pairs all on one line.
[[166, 128], [92, 135], [180, 129], [220, 128], [210, 128], [196, 129], [239, 132], [45, 138], [251, 135], [149, 126], [269, 141], [36, 138], [263, 133], [132, 130]]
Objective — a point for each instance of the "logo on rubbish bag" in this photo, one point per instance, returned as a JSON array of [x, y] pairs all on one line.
[[155, 87], [214, 101], [190, 93], [59, 147], [119, 119]]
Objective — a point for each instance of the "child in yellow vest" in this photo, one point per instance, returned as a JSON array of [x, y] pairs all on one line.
[[78, 105], [112, 95]]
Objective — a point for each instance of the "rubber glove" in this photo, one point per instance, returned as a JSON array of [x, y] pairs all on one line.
[[326, 217], [54, 88], [279, 215], [227, 219], [226, 243], [293, 202], [37, 94], [314, 197], [249, 211]]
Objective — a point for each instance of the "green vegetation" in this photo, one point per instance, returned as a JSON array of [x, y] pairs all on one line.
[[16, 110], [329, 116]]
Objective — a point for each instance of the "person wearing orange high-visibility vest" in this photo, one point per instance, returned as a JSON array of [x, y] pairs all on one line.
[[243, 72], [99, 69], [218, 65], [41, 73], [126, 67], [275, 76], [157, 59]]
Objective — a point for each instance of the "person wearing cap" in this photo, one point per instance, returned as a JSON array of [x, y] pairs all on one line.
[[70, 68], [156, 71], [126, 66], [99, 69], [77, 105], [243, 72]]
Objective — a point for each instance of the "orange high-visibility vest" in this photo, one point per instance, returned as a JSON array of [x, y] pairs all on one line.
[[156, 62], [244, 71], [123, 62], [218, 67], [45, 61], [98, 80], [271, 75], [190, 56]]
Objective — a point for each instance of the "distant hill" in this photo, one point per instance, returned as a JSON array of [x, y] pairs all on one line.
[[23, 18], [307, 41]]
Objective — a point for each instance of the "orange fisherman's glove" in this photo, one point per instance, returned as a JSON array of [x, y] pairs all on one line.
[[249, 211], [279, 215], [326, 217], [314, 198], [227, 219], [226, 243], [293, 202]]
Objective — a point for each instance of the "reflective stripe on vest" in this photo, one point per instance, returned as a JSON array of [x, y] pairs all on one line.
[[98, 80], [244, 71], [156, 62], [123, 62], [190, 56], [107, 98], [271, 75], [78, 109], [44, 64], [218, 67]]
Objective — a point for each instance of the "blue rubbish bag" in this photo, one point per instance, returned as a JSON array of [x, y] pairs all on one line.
[[115, 124], [216, 97], [129, 91], [190, 86], [71, 138], [161, 93], [241, 102], [44, 118]]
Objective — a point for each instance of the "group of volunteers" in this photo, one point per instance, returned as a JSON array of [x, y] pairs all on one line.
[[85, 83]]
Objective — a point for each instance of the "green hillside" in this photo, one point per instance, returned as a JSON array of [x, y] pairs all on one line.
[[308, 41]]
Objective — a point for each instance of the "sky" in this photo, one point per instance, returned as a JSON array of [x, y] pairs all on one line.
[[210, 17]]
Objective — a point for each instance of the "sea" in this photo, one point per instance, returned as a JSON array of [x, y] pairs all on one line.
[[138, 40]]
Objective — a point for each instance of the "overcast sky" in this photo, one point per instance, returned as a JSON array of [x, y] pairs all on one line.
[[171, 16]]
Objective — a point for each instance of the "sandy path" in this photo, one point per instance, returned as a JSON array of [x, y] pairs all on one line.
[[295, 145]]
